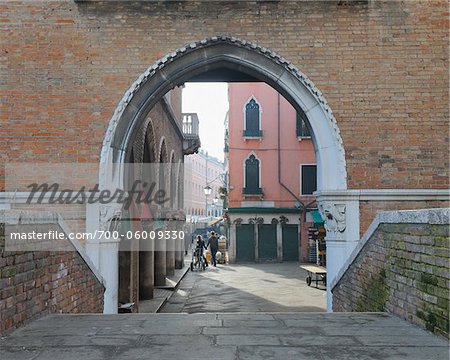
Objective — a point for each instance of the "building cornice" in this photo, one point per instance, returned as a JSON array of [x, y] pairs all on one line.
[[384, 195]]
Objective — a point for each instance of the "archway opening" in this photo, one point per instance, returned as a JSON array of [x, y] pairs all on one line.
[[222, 59]]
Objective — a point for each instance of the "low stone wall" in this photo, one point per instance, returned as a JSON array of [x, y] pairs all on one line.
[[402, 267], [36, 283]]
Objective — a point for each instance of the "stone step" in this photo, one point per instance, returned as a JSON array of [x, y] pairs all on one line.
[[223, 336]]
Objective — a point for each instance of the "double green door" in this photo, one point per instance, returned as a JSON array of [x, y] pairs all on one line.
[[267, 242]]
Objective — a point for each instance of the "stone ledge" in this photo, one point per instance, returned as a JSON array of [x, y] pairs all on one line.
[[16, 217], [385, 194]]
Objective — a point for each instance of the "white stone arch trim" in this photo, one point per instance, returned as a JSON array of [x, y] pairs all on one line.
[[327, 135], [244, 111], [211, 53]]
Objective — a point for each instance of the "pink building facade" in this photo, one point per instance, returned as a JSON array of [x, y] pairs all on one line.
[[202, 170], [272, 176]]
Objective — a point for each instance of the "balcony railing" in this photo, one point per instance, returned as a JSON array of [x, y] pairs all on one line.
[[190, 124], [191, 141]]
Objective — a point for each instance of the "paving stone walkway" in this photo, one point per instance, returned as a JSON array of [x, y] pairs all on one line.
[[270, 287], [339, 336]]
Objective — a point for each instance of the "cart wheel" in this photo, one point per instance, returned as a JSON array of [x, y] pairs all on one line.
[[308, 280], [192, 266]]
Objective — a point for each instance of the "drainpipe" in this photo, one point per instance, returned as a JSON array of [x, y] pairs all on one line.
[[279, 159]]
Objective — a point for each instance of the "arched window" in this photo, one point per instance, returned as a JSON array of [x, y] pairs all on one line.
[[162, 176], [252, 185], [172, 179], [181, 185], [252, 119]]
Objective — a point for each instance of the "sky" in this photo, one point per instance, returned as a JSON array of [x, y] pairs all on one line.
[[210, 102]]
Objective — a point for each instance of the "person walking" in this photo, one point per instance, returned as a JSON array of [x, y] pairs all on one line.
[[200, 246], [213, 242]]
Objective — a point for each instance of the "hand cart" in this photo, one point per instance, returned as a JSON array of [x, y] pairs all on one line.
[[319, 272]]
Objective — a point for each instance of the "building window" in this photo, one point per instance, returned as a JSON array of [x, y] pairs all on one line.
[[302, 125], [252, 119], [252, 186], [308, 179]]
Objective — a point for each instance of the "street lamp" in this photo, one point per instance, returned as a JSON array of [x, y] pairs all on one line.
[[207, 190]]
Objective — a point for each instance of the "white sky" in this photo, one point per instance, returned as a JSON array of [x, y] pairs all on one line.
[[210, 102]]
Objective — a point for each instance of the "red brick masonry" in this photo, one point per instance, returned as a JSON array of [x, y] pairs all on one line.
[[33, 284], [402, 268]]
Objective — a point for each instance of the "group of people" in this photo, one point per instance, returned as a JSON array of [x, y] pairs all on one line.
[[212, 242]]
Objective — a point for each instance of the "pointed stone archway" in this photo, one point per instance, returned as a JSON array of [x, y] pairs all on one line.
[[239, 56]]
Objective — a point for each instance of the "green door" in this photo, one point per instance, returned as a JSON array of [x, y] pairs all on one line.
[[245, 243], [290, 243], [267, 242]]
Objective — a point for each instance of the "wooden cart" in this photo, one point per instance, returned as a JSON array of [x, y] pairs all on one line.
[[319, 273]]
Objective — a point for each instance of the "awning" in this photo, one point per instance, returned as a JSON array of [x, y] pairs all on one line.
[[317, 217], [215, 221]]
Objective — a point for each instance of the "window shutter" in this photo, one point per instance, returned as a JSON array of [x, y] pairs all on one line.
[[309, 179], [252, 176], [252, 119]]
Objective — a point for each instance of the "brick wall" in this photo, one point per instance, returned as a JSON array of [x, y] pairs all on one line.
[[33, 284], [382, 66], [369, 209], [401, 268]]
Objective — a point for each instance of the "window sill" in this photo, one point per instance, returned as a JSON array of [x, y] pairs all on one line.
[[250, 136], [252, 192]]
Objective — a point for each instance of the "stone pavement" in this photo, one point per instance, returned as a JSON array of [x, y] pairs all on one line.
[[267, 287], [296, 336], [163, 293]]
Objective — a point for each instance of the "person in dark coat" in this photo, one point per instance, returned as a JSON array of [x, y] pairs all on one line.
[[200, 246], [213, 242]]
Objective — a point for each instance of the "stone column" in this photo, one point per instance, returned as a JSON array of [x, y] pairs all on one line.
[[109, 269], [170, 256], [160, 260], [279, 242], [108, 254], [342, 226], [232, 244], [92, 224], [179, 253], [146, 263], [256, 235]]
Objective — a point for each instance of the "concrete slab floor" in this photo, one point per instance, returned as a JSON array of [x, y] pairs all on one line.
[[233, 336], [266, 287]]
